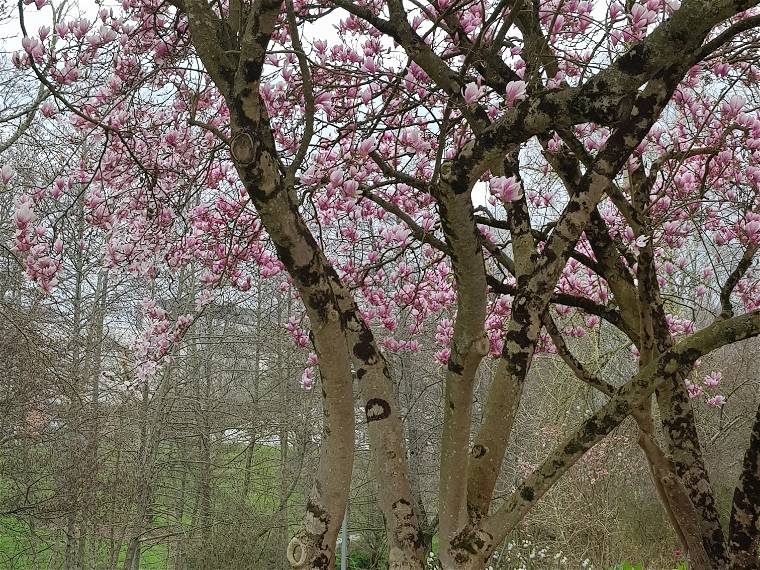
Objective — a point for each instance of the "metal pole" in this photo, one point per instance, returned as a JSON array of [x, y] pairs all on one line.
[[344, 543]]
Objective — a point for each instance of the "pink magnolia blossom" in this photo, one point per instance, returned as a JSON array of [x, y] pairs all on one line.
[[716, 401], [515, 92], [442, 356], [733, 106], [750, 226], [6, 173], [712, 380], [307, 379], [24, 214], [33, 47], [47, 109], [506, 189], [694, 389], [472, 92], [366, 146]]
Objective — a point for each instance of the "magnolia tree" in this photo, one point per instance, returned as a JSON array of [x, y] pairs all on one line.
[[514, 172]]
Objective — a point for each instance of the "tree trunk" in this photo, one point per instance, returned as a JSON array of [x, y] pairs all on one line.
[[684, 447], [94, 356], [256, 379], [203, 427], [283, 436], [744, 525], [142, 491], [75, 472], [179, 509]]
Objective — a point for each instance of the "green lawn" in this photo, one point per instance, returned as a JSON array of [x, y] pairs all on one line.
[[19, 550]]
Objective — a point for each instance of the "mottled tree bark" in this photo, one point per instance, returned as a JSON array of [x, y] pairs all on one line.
[[676, 412], [744, 525], [469, 345], [340, 336]]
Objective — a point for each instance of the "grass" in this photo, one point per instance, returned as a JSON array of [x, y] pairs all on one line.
[[17, 552], [24, 548]]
